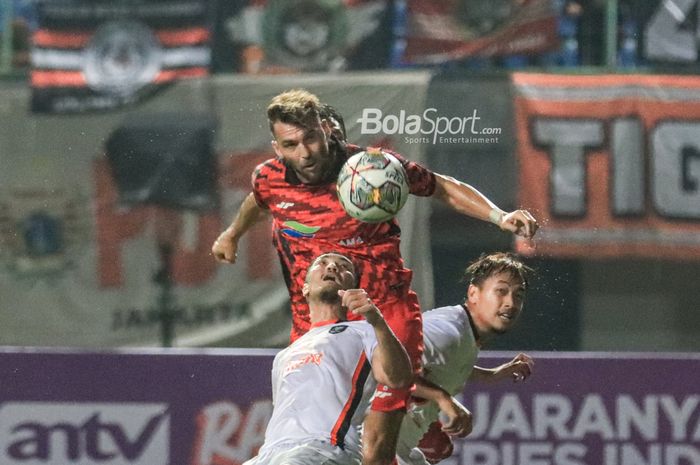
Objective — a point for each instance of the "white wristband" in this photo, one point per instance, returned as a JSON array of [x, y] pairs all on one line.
[[496, 216]]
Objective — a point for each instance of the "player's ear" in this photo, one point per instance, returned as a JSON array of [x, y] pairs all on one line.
[[326, 126], [276, 148], [472, 293], [305, 290]]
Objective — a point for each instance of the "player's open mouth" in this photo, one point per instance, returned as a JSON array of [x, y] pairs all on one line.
[[330, 277], [309, 167], [506, 316]]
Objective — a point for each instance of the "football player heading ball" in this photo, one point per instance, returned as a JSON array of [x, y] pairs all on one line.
[[297, 188]]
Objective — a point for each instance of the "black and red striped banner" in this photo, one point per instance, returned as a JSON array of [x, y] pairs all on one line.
[[97, 55]]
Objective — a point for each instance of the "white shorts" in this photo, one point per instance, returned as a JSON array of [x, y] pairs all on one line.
[[305, 454]]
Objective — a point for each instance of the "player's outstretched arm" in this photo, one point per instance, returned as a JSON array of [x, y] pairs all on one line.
[[225, 247], [467, 200], [459, 418], [390, 363], [518, 369]]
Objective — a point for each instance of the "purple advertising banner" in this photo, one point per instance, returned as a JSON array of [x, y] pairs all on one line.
[[171, 407], [588, 408], [211, 407]]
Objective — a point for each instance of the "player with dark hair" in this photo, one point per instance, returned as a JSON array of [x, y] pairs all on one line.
[[453, 336], [298, 189], [336, 121], [323, 382]]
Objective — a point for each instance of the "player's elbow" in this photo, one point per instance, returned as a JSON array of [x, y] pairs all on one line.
[[399, 382], [448, 190], [441, 187], [393, 379]]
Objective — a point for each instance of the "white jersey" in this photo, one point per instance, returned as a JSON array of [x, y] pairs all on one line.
[[448, 360], [321, 387]]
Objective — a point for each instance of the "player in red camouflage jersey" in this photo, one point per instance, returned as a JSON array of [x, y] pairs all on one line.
[[298, 189], [308, 220]]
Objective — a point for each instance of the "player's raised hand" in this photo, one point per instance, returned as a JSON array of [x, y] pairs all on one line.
[[459, 418], [225, 248], [518, 369], [520, 223], [358, 302]]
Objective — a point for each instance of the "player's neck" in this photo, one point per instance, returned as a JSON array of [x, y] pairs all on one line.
[[321, 311], [479, 335]]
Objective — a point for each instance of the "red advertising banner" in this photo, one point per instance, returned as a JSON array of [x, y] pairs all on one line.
[[442, 31], [610, 163]]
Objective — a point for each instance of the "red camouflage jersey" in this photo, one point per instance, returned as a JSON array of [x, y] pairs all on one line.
[[308, 221]]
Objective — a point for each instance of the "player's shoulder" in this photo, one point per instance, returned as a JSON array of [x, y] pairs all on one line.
[[269, 167], [450, 313], [445, 326], [350, 328]]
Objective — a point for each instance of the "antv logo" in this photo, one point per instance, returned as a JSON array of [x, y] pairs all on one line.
[[63, 433]]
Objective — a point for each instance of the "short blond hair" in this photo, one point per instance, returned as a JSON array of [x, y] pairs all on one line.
[[295, 106]]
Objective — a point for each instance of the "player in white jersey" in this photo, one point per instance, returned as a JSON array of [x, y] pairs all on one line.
[[453, 336], [322, 383]]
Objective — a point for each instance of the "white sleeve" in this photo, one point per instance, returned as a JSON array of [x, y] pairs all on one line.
[[441, 338], [441, 333], [274, 376], [369, 340]]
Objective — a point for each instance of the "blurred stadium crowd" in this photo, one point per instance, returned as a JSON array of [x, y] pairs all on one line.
[[254, 36]]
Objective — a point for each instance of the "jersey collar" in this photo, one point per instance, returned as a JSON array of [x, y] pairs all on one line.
[[325, 323]]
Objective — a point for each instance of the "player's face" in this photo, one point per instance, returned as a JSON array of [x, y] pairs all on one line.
[[327, 275], [496, 305], [305, 149]]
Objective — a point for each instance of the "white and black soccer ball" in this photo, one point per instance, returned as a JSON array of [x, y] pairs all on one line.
[[372, 186]]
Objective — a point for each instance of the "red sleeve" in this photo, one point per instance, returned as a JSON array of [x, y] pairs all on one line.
[[421, 180], [261, 186]]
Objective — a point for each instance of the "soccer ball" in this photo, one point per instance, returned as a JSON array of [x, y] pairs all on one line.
[[372, 186]]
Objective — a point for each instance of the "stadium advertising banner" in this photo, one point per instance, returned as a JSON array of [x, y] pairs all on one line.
[[435, 32], [182, 407], [588, 409], [610, 164], [97, 55]]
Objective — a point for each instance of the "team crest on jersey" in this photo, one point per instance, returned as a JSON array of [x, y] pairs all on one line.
[[338, 329]]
